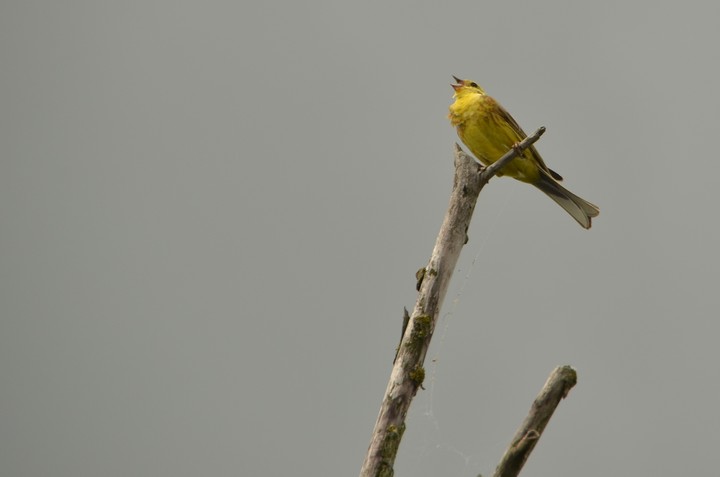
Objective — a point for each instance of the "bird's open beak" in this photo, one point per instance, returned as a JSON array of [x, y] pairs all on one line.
[[459, 84]]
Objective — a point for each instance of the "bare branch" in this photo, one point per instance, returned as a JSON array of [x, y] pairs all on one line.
[[408, 373], [557, 387]]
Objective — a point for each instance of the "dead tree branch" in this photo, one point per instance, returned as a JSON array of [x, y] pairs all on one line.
[[408, 373], [556, 388]]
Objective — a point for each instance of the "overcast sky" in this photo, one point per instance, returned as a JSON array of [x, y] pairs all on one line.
[[211, 214]]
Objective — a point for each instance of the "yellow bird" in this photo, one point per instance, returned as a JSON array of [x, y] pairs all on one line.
[[489, 132]]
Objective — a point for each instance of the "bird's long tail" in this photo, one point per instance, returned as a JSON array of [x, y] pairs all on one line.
[[580, 209]]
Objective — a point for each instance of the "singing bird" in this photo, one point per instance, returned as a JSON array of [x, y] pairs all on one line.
[[489, 132]]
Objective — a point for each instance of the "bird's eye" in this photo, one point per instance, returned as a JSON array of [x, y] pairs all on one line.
[[474, 84]]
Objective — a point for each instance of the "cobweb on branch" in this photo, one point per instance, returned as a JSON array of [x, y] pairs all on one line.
[[436, 440]]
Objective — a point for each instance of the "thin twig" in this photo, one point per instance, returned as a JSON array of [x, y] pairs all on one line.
[[408, 373], [557, 387]]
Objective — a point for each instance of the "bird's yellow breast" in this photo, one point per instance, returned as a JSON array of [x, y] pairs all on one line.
[[483, 127]]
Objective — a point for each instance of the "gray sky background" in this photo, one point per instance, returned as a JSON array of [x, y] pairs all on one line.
[[211, 214]]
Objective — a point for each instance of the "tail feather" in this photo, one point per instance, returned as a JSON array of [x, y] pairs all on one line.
[[580, 209]]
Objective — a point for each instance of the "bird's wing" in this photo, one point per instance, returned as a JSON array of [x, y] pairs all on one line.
[[521, 134]]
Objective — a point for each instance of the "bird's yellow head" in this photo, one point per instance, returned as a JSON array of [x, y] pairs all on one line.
[[465, 87]]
